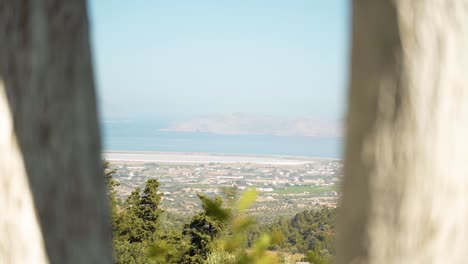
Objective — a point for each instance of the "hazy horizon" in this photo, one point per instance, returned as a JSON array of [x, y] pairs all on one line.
[[257, 77], [176, 61]]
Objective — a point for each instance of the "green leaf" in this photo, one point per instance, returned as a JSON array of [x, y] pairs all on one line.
[[241, 224], [157, 252], [262, 244], [247, 199]]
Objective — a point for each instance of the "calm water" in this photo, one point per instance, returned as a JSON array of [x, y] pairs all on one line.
[[127, 136]]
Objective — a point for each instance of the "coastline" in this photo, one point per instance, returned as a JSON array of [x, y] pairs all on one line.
[[198, 157]]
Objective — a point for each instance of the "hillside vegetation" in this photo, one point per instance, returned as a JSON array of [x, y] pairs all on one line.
[[221, 232]]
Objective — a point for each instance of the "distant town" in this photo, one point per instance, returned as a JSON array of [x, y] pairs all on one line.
[[285, 185]]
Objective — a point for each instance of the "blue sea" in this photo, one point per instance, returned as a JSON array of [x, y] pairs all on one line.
[[146, 136]]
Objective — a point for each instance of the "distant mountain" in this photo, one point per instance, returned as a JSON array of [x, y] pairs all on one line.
[[255, 124]]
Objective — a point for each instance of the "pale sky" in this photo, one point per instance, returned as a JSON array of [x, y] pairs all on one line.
[[160, 60]]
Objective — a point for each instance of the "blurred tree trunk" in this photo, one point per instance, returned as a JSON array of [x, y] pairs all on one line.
[[406, 171], [53, 204]]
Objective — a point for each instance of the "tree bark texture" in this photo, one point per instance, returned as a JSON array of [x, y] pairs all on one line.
[[53, 205], [406, 171]]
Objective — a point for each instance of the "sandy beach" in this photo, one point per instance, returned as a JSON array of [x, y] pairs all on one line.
[[174, 157]]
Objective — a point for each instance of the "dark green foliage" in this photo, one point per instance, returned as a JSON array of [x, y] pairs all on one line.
[[213, 208], [127, 252], [144, 234], [308, 231], [319, 257], [135, 226], [129, 226], [111, 184], [148, 209], [204, 228], [169, 247]]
